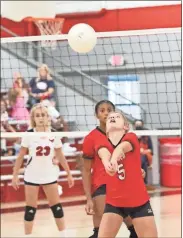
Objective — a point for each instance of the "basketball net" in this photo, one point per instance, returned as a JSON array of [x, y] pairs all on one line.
[[49, 27]]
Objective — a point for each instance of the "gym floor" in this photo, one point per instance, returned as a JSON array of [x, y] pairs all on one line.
[[166, 204]]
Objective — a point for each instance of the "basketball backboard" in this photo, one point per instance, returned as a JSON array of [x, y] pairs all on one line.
[[18, 10], [48, 9], [64, 7]]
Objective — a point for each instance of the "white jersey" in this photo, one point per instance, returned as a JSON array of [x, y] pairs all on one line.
[[40, 168]]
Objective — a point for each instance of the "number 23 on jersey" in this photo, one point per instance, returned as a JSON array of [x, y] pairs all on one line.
[[42, 151]]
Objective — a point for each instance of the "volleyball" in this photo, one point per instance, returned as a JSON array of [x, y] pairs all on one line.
[[82, 38]]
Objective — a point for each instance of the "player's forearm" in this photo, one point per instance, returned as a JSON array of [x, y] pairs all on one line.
[[66, 166], [121, 150], [17, 166], [118, 152], [104, 155], [86, 178], [63, 161], [19, 161]]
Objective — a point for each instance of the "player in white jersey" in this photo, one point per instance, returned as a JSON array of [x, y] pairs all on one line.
[[41, 169]]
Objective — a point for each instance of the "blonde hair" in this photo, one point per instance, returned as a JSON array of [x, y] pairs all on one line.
[[126, 122], [32, 112], [48, 71]]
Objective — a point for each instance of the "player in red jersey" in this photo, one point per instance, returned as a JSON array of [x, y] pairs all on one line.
[[126, 192], [95, 182]]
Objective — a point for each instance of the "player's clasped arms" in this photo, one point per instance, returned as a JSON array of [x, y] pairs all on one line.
[[41, 170]]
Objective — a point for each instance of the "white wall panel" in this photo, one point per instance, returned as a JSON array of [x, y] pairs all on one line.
[[88, 6]]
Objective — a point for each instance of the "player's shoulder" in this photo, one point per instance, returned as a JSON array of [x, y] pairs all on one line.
[[90, 138], [131, 135], [91, 134]]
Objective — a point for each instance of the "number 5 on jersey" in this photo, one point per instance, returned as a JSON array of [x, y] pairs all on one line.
[[121, 172]]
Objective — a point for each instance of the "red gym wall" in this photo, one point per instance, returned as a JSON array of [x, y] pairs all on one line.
[[110, 20]]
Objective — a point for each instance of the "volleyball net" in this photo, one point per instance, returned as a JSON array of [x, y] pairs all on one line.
[[139, 71]]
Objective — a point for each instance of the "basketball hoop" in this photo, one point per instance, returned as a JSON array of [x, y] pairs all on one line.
[[49, 26]]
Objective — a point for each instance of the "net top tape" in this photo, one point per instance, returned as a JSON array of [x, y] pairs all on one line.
[[99, 35]]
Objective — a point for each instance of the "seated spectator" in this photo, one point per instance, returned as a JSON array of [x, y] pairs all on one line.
[[146, 148], [18, 97], [19, 82], [17, 146], [54, 114], [57, 120], [42, 87], [5, 126], [4, 119], [58, 123]]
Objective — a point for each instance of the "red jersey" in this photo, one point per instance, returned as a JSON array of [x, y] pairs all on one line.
[[98, 170], [126, 188]]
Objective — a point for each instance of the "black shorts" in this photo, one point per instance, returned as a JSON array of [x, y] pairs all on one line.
[[134, 212], [99, 191], [36, 184]]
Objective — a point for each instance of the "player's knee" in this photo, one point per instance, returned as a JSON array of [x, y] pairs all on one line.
[[29, 213], [57, 210]]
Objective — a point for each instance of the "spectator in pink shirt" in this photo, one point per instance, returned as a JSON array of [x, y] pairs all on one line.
[[18, 97]]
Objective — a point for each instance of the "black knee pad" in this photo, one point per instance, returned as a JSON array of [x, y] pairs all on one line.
[[57, 210], [29, 213]]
